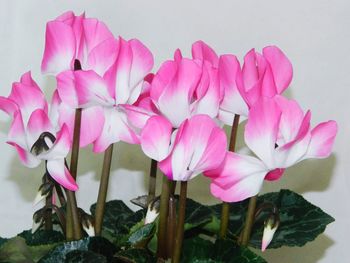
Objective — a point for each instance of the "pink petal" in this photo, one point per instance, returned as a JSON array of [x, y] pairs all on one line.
[[60, 48], [175, 83], [38, 123], [322, 140], [137, 116], [95, 32], [103, 56], [142, 62], [28, 98], [281, 67], [230, 76], [155, 138], [66, 88], [261, 130], [210, 101], [8, 106], [91, 89], [17, 133], [238, 178], [25, 156], [92, 121], [202, 51], [116, 128], [199, 146], [58, 171]]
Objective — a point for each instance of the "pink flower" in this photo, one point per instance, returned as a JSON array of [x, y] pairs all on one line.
[[185, 87], [263, 75], [70, 38], [33, 135], [279, 134], [196, 146], [120, 85]]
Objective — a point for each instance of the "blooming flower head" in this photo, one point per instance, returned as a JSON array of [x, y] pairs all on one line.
[[70, 38], [196, 146], [33, 135], [106, 95], [263, 74], [279, 134]]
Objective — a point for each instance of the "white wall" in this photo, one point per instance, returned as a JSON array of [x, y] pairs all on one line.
[[314, 34]]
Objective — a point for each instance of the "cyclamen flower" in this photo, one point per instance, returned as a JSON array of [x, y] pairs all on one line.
[[185, 87], [196, 146], [120, 85], [263, 75], [279, 133], [33, 135], [70, 38]]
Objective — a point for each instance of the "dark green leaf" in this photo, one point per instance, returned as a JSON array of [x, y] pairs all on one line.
[[115, 211], [196, 214], [223, 251], [301, 221], [142, 235], [42, 237], [135, 255], [98, 245], [3, 241], [81, 256]]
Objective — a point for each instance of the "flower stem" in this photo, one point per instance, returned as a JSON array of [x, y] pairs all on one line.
[[152, 180], [249, 221], [73, 226], [171, 228], [163, 218], [225, 211], [180, 223], [102, 192]]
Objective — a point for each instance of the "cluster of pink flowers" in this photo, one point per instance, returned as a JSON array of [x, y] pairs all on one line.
[[176, 114]]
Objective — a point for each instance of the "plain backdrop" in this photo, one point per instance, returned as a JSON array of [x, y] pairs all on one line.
[[315, 36]]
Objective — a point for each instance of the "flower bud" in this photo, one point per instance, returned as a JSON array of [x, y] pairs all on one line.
[[271, 225]]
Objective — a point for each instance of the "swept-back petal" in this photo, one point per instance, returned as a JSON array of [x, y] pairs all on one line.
[[116, 128], [60, 48], [175, 83], [59, 172], [155, 138], [262, 128], [202, 51], [238, 178], [230, 76], [322, 140], [199, 145], [281, 67], [38, 123], [25, 156], [102, 57]]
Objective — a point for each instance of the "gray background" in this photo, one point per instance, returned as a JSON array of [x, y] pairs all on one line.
[[314, 34]]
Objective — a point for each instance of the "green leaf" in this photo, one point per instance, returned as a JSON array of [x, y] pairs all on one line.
[[3, 241], [42, 237], [30, 246], [142, 235], [98, 245], [301, 221], [81, 256], [136, 255], [115, 211], [196, 214], [222, 251]]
